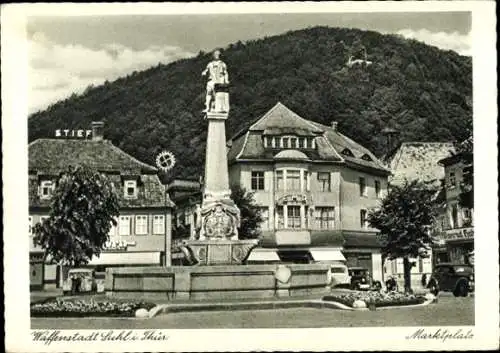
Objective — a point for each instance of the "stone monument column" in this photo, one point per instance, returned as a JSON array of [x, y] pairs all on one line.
[[216, 170], [219, 217]]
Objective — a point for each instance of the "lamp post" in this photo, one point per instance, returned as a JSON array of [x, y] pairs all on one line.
[[165, 161], [168, 232]]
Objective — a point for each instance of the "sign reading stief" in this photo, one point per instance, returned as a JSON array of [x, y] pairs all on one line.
[[165, 161], [73, 133]]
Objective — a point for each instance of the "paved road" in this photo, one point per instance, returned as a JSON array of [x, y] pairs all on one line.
[[448, 311]]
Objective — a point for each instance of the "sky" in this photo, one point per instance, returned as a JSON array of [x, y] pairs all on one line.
[[66, 54]]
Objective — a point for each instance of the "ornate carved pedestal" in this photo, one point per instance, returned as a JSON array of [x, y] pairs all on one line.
[[219, 252]]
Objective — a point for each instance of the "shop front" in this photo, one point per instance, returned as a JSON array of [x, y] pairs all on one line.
[[460, 245], [362, 250]]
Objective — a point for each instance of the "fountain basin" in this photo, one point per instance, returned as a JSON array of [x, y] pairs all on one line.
[[217, 282]]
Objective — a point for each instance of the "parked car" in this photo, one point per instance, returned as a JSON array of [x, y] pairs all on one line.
[[340, 275], [451, 277], [80, 280], [361, 279]]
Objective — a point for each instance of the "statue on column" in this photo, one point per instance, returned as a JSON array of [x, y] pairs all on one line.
[[218, 79]]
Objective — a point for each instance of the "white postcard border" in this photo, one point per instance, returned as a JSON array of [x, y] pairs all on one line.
[[14, 134]]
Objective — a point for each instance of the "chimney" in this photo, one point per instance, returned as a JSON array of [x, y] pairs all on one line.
[[334, 125], [391, 136], [97, 130]]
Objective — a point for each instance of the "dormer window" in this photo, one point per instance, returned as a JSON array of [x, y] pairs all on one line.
[[366, 157], [130, 189], [46, 189], [288, 142], [347, 152]]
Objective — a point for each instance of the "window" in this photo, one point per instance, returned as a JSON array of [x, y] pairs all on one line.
[[46, 189], [454, 216], [257, 180], [280, 217], [305, 180], [366, 157], [130, 189], [273, 142], [377, 188], [452, 180], [325, 217], [324, 181], [443, 223], [347, 152], [30, 221], [362, 187], [293, 180], [141, 224], [279, 180], [300, 141], [293, 215], [284, 142], [467, 213], [264, 212], [124, 225], [293, 142], [363, 220], [158, 224]]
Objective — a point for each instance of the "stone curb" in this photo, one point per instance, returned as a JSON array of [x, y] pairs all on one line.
[[172, 308]]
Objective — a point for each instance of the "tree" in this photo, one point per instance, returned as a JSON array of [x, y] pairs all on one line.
[[83, 208], [405, 219], [251, 217]]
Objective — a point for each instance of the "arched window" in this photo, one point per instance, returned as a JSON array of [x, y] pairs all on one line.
[[366, 158], [347, 152]]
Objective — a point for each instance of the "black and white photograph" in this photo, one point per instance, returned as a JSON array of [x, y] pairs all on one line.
[[221, 176]]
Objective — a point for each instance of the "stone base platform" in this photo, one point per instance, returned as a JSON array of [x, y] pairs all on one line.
[[218, 282]]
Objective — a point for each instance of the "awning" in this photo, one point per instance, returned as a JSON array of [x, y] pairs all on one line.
[[361, 240], [127, 258], [263, 256], [326, 255]]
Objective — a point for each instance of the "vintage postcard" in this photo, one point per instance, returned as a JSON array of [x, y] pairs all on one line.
[[271, 176]]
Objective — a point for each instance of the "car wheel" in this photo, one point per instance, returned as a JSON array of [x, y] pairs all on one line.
[[461, 290]]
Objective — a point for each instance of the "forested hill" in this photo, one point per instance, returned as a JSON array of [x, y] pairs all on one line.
[[420, 90]]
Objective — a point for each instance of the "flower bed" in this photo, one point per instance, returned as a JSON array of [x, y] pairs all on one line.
[[378, 299], [82, 308]]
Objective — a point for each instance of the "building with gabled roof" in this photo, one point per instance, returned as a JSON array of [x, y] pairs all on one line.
[[420, 161], [314, 186], [457, 236], [144, 225]]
